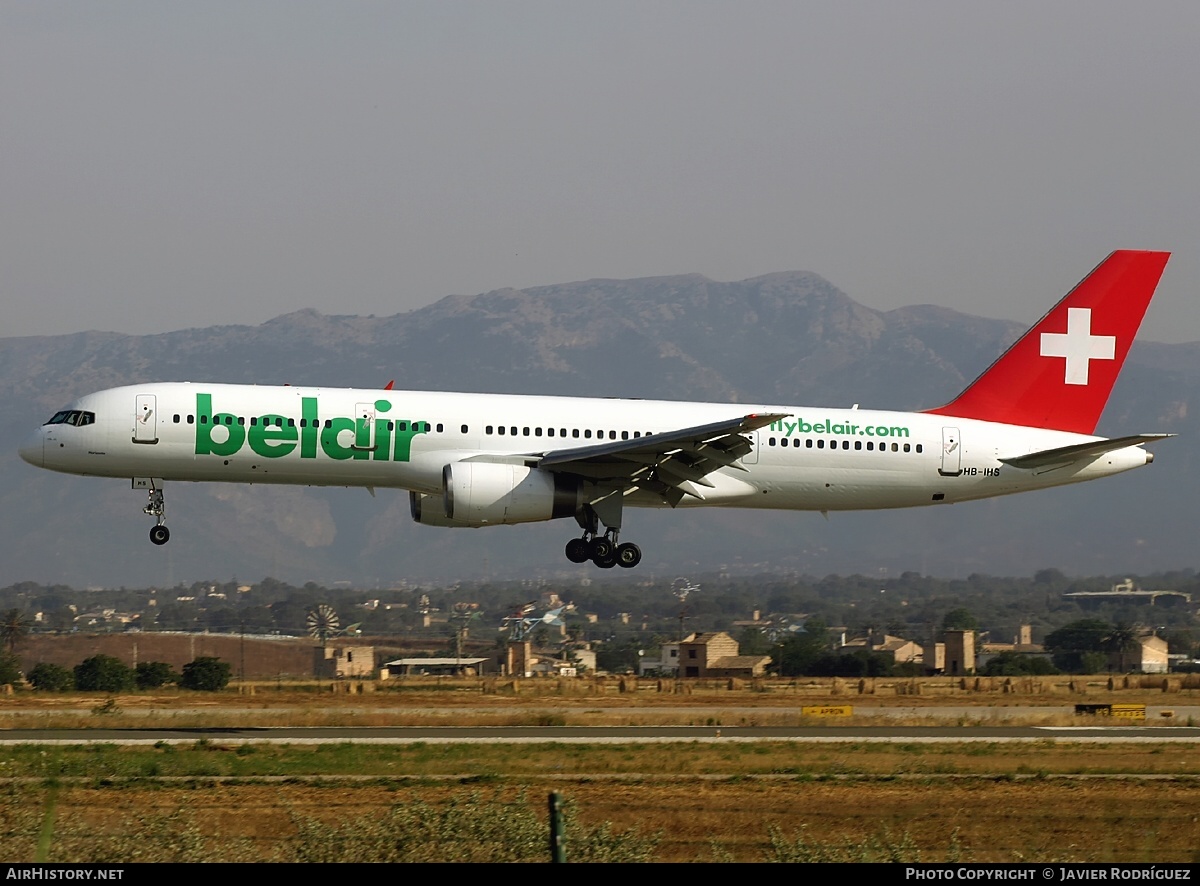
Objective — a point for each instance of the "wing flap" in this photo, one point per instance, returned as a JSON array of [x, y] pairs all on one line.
[[671, 464]]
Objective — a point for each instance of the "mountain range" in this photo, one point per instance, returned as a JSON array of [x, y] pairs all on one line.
[[786, 338]]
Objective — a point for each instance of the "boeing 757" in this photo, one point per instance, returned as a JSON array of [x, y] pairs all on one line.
[[473, 460]]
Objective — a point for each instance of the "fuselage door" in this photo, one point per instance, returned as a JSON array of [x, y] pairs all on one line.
[[145, 419], [364, 419], [951, 453]]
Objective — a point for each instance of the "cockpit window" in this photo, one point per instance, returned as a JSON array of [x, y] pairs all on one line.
[[75, 417]]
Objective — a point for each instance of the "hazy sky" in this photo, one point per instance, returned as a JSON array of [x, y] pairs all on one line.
[[175, 164]]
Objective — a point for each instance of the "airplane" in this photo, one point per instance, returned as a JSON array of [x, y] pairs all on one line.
[[474, 460]]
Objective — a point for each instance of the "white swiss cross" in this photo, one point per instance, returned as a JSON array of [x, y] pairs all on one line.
[[1078, 345]]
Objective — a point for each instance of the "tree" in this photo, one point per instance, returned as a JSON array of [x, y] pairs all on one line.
[[1017, 664], [103, 673], [152, 674], [752, 641], [797, 654], [10, 668], [618, 658], [860, 663], [1070, 643], [14, 626], [47, 677], [959, 620], [206, 673]]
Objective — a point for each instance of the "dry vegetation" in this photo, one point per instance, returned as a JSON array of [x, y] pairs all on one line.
[[686, 801]]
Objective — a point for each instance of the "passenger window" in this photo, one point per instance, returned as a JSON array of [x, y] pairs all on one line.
[[464, 429], [439, 427], [809, 443], [525, 432], [795, 442], [191, 419], [587, 434], [624, 435], [820, 444], [537, 432], [906, 447], [575, 433], [500, 430], [770, 441], [175, 418], [488, 429], [858, 444], [919, 448], [513, 431]]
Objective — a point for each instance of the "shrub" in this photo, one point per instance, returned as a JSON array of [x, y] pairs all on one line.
[[152, 674], [103, 673], [47, 677], [206, 673]]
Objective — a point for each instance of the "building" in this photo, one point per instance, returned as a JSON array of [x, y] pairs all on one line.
[[667, 663], [1127, 592], [1150, 657], [433, 667], [716, 655], [900, 650], [343, 662], [960, 653]]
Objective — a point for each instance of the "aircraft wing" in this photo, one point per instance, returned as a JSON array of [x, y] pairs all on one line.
[[670, 464], [1064, 455]]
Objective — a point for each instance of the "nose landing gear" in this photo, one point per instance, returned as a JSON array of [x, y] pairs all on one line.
[[156, 507]]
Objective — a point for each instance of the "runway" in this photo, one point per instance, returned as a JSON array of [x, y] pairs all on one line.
[[1131, 734]]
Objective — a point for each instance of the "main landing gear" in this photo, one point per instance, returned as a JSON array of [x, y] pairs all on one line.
[[603, 550], [156, 507]]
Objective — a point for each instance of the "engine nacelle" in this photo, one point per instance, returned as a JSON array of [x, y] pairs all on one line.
[[486, 494], [429, 510]]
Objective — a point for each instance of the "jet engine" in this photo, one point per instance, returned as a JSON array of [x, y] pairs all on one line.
[[487, 494]]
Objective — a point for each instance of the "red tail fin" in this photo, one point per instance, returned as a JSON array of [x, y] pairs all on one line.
[[1060, 373]]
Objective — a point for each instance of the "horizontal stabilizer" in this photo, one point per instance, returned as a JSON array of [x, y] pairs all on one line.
[[1080, 451]]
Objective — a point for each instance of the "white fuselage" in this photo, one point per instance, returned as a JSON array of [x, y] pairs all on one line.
[[818, 459]]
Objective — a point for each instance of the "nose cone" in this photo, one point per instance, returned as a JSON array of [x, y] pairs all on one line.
[[31, 449]]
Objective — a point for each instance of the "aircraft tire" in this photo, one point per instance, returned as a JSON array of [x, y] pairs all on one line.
[[606, 562], [160, 535], [600, 548], [578, 550], [628, 555]]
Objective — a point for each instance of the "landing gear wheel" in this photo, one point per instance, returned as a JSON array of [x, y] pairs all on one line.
[[606, 562], [600, 548], [578, 550], [628, 555], [160, 535]]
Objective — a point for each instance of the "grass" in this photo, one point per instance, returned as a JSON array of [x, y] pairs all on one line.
[[220, 800], [213, 757]]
